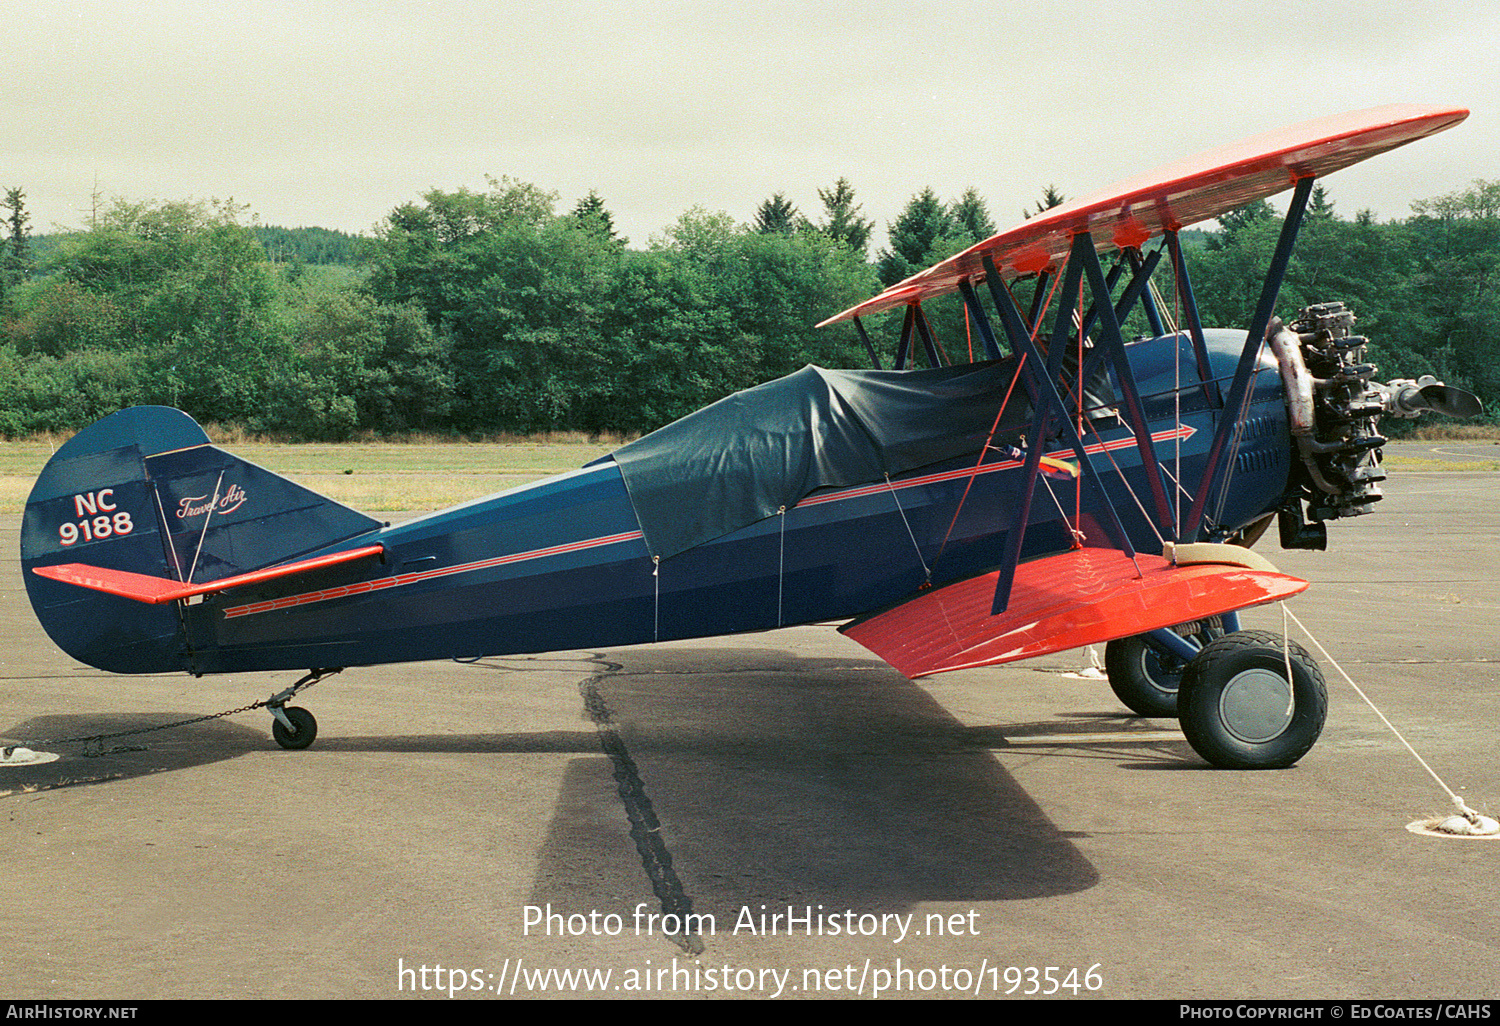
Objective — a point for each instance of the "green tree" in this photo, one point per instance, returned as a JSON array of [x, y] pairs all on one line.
[[1319, 206], [591, 213], [778, 215], [716, 307], [55, 317], [926, 232], [1480, 202], [971, 217], [915, 238], [17, 262], [1235, 222], [309, 245], [1454, 242], [1051, 197], [353, 364], [1426, 290], [516, 289], [183, 287], [172, 269], [843, 223]]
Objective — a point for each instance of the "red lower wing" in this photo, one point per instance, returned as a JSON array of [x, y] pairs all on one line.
[[1059, 602]]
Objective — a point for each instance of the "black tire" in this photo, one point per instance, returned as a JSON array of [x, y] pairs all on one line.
[[306, 732], [1232, 702], [1146, 677]]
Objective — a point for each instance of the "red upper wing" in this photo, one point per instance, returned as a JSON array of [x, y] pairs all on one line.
[[1177, 195]]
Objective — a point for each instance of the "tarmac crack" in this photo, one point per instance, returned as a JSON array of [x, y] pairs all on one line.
[[645, 828]]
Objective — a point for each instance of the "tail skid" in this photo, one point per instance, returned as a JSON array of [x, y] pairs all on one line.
[[142, 500]]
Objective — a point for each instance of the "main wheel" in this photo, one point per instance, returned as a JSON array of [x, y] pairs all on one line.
[[1146, 677], [1239, 710], [304, 721]]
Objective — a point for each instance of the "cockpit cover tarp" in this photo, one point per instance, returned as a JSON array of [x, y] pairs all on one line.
[[749, 455]]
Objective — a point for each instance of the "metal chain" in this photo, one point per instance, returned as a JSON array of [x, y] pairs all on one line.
[[93, 743]]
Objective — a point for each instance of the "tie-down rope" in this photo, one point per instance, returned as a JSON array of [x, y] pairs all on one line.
[[1469, 814]]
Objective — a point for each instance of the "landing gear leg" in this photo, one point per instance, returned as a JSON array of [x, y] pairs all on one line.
[[1145, 673]]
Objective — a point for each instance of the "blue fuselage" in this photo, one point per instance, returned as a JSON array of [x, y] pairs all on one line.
[[561, 564]]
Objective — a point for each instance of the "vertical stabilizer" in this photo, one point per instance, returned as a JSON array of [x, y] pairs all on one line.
[[143, 491]]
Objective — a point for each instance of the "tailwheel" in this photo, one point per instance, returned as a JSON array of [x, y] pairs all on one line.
[[1238, 708], [1145, 676], [294, 728]]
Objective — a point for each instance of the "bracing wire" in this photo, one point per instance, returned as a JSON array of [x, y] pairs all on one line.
[[909, 533], [213, 505], [1124, 481], [985, 449], [1238, 437], [1176, 419]]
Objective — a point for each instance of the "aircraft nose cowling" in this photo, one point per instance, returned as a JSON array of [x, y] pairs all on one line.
[[1335, 410]]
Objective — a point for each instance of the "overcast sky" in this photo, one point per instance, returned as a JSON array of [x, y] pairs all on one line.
[[331, 113]]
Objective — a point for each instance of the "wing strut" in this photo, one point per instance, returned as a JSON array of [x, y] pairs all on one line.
[[1137, 290], [1048, 402], [976, 313], [864, 337], [1038, 299], [925, 330], [1113, 344], [1153, 316], [904, 347], [1189, 303], [1110, 281], [1239, 389], [1064, 328], [1083, 264]]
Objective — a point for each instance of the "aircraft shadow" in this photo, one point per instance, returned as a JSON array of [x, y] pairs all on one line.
[[777, 780], [200, 744], [130, 755], [583, 742]]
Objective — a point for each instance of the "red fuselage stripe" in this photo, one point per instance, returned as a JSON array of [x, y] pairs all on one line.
[[400, 580]]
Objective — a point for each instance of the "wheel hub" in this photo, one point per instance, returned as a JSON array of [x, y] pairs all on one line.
[[1163, 671], [1256, 706]]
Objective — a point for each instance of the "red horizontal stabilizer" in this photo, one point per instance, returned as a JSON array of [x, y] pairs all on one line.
[[1059, 602], [158, 591]]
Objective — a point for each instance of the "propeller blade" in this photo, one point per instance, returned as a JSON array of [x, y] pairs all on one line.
[[1453, 402]]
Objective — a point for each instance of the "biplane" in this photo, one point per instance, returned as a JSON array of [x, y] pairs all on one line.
[[1071, 487]]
